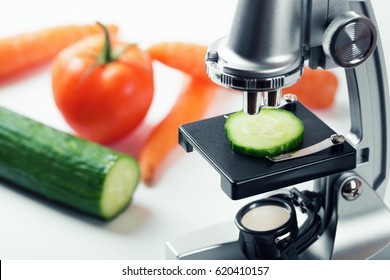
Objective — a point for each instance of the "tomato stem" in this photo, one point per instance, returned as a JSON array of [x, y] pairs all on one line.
[[107, 55]]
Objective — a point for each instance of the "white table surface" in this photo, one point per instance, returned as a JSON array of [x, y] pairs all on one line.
[[188, 195]]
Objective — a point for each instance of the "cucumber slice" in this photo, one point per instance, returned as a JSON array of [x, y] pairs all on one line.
[[271, 132], [118, 187]]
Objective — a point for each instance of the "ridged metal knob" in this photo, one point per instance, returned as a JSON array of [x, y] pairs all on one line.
[[350, 39]]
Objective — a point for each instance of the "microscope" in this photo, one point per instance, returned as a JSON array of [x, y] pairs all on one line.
[[343, 214]]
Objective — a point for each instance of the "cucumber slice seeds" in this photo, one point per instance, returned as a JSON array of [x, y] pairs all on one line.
[[271, 132]]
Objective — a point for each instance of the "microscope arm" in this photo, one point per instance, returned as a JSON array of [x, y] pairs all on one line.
[[360, 228], [370, 120]]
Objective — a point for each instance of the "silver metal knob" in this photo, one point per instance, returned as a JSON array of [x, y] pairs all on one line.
[[349, 39], [352, 189]]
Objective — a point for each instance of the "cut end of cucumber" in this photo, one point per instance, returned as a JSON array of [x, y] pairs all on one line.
[[119, 186], [271, 132]]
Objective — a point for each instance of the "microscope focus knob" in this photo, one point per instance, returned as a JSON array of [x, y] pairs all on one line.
[[349, 39]]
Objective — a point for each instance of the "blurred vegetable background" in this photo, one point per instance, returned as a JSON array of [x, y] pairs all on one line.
[[54, 69], [21, 52]]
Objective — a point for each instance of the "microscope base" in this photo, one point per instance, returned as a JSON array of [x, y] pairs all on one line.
[[184, 248], [346, 237], [217, 242]]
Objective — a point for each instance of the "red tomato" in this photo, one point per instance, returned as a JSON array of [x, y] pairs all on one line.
[[103, 96]]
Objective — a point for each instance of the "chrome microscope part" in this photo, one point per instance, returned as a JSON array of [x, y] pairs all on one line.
[[349, 39], [262, 54], [266, 48], [333, 140]]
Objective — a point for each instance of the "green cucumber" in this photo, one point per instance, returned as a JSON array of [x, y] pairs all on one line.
[[64, 168], [271, 132]]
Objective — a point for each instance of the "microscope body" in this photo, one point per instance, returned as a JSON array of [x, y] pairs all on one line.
[[269, 43]]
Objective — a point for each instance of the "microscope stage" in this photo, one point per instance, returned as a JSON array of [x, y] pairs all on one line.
[[243, 176]]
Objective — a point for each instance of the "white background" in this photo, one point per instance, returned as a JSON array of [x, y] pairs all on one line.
[[188, 195]]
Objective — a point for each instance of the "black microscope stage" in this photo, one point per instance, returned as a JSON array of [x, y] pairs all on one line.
[[243, 176]]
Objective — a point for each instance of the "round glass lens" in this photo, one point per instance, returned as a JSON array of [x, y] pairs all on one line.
[[265, 218]]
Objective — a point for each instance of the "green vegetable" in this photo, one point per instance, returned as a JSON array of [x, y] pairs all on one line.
[[83, 175], [271, 132]]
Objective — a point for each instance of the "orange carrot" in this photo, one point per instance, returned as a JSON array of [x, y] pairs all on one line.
[[187, 57], [26, 50], [190, 106], [316, 88]]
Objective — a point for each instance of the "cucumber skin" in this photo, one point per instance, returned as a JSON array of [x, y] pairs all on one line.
[[292, 144], [54, 164]]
